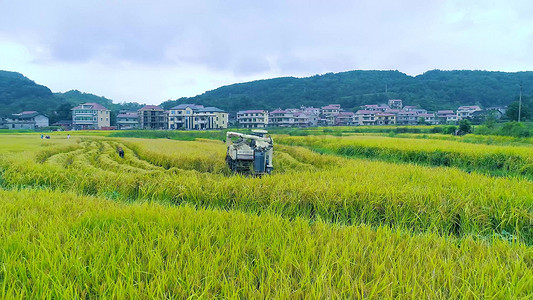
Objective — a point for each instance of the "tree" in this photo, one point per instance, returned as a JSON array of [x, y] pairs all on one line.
[[525, 113], [465, 126], [491, 120]]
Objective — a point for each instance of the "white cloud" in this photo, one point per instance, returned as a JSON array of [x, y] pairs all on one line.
[[150, 51]]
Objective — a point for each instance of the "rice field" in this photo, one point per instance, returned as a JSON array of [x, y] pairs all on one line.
[[490, 159], [169, 220]]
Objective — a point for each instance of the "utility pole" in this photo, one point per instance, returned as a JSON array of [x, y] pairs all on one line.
[[520, 104]]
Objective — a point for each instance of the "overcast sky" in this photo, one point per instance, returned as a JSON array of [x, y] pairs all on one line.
[[152, 51]]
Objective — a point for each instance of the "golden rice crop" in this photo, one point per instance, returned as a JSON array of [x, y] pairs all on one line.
[[493, 159], [305, 184], [63, 246]]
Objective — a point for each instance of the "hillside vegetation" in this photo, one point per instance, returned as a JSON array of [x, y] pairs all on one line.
[[18, 93], [432, 90]]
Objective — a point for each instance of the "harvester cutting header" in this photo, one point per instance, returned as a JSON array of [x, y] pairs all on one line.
[[250, 153]]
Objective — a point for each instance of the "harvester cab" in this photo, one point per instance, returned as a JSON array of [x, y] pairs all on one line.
[[250, 153]]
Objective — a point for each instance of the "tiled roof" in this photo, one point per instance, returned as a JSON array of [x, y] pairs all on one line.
[[127, 115], [25, 115], [184, 106], [93, 106], [364, 112], [346, 113], [474, 107], [152, 107], [332, 106], [251, 111], [407, 113], [210, 109]]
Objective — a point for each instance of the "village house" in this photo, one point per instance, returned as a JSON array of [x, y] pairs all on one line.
[[90, 116], [428, 119], [497, 111], [364, 117], [345, 118], [128, 120], [310, 110], [27, 120], [330, 109], [446, 117], [152, 117], [382, 118], [304, 119], [375, 107], [197, 117], [281, 118], [407, 118], [465, 112], [252, 118], [409, 108], [395, 104]]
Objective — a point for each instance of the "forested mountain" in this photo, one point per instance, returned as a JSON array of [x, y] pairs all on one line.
[[18, 93], [432, 90]]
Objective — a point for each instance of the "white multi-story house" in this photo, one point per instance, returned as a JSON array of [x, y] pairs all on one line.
[[27, 120], [364, 117], [281, 118], [395, 103], [419, 111], [375, 107], [330, 109], [90, 116], [304, 119], [382, 118], [465, 112], [310, 110], [407, 118], [128, 120], [429, 119], [193, 116], [446, 117], [345, 118], [252, 118]]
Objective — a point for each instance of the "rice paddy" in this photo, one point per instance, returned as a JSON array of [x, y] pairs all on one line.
[[169, 220]]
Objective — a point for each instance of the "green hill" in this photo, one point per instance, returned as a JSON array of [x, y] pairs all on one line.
[[432, 90], [18, 93]]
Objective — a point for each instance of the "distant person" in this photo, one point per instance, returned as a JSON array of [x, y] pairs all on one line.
[[68, 136], [120, 152], [42, 136]]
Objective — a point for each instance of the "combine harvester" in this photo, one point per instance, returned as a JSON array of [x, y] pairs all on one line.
[[250, 154]]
